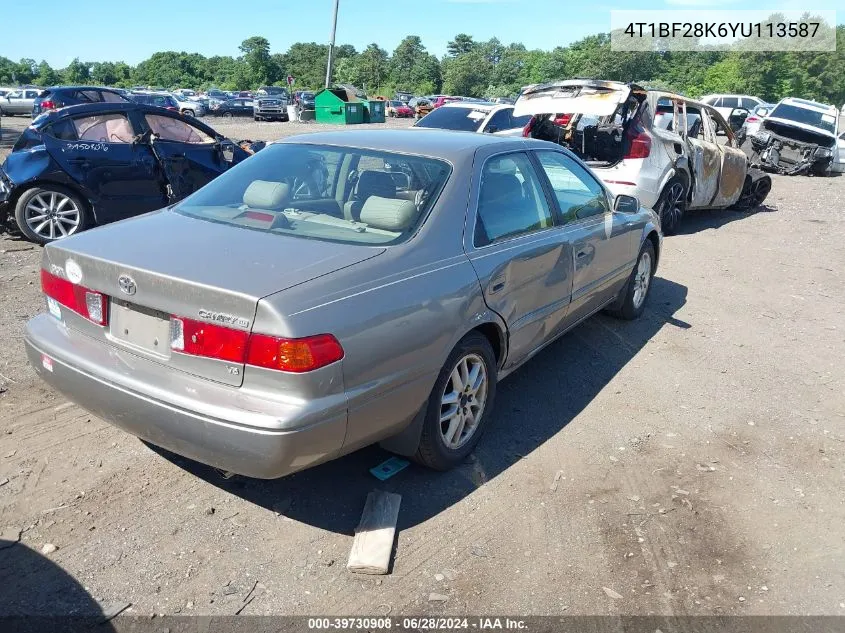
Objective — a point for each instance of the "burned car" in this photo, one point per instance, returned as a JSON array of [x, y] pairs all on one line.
[[670, 152], [797, 137], [97, 163]]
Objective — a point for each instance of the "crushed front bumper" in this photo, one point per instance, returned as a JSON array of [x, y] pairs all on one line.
[[115, 385]]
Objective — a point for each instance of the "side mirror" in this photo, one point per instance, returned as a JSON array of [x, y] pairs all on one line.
[[227, 148], [626, 204]]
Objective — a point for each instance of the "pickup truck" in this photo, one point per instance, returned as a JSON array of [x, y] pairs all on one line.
[[270, 105]]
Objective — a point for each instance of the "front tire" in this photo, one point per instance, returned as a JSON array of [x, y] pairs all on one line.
[[671, 205], [188, 113], [638, 286], [46, 214], [227, 115], [460, 404]]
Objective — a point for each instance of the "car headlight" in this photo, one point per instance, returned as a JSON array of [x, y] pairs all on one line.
[[823, 152]]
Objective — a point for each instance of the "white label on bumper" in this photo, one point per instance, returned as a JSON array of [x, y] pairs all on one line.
[[47, 362]]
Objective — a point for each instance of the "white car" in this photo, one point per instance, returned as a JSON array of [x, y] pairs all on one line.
[[798, 136], [670, 152], [725, 104], [189, 106], [839, 158], [469, 116]]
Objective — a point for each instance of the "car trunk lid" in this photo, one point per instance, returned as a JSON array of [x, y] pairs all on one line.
[[166, 264], [596, 98]]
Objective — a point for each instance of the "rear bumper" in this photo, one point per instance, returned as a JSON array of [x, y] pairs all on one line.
[[110, 384]]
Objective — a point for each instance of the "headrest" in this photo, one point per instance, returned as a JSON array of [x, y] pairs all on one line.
[[376, 183], [498, 187], [264, 194], [388, 213]]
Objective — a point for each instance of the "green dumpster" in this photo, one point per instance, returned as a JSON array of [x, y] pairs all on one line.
[[336, 105], [374, 112]]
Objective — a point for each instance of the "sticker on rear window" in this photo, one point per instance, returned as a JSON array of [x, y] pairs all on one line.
[[476, 115], [828, 118], [74, 272], [47, 362]]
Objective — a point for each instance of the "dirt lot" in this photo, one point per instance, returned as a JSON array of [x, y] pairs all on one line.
[[701, 452]]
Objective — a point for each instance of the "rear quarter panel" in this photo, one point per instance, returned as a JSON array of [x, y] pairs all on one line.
[[397, 316]]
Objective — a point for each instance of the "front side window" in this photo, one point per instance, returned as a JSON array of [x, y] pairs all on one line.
[[104, 128], [511, 201], [335, 194], [171, 129], [499, 121], [578, 194]]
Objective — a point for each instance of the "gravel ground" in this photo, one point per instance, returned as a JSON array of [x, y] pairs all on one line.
[[687, 463]]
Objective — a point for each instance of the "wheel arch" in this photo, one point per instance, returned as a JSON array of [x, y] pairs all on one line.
[[44, 182]]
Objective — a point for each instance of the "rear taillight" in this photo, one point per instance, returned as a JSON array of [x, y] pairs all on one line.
[[562, 119], [48, 105], [526, 131], [295, 355], [751, 119], [639, 143], [90, 304], [208, 340], [216, 341]]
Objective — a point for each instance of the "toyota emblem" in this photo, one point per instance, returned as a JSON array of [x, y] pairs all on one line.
[[127, 284]]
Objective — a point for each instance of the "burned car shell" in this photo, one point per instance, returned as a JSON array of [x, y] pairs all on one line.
[[650, 144], [785, 144], [116, 179]]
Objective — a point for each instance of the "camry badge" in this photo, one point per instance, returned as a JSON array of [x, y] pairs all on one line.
[[127, 284]]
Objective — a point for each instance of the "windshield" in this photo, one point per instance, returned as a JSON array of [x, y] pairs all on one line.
[[806, 116], [458, 119], [336, 194]]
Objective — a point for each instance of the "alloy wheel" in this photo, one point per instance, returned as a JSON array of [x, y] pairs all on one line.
[[642, 279], [463, 400], [52, 215], [673, 207]]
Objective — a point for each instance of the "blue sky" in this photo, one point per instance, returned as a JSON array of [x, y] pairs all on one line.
[[100, 30]]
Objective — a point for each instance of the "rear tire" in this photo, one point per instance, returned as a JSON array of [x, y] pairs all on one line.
[[188, 112], [46, 214], [460, 404], [638, 286], [671, 205], [227, 115]]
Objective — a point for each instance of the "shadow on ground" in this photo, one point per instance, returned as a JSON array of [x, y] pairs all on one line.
[[532, 406], [697, 221], [38, 595]]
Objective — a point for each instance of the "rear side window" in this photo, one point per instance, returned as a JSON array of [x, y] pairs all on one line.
[[104, 128], [89, 96], [112, 97], [511, 201], [729, 102], [63, 130], [578, 194], [170, 129]]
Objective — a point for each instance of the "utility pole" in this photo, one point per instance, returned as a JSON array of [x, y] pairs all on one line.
[[331, 46]]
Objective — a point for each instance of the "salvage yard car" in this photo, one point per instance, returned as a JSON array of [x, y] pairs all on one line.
[[57, 97], [18, 101], [670, 152], [336, 290], [797, 137], [96, 163], [468, 116]]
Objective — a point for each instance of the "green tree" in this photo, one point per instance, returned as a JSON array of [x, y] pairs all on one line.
[[261, 66], [373, 68], [467, 74], [461, 45], [46, 75], [77, 72]]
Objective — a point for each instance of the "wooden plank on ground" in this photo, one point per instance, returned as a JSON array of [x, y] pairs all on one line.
[[374, 535]]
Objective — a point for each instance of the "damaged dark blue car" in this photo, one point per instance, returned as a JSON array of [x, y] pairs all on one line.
[[91, 164]]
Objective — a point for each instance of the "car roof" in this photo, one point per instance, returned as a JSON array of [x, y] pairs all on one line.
[[486, 106], [81, 88], [92, 109], [447, 144]]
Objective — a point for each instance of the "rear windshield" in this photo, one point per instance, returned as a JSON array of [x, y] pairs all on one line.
[[806, 116], [459, 119], [336, 194]]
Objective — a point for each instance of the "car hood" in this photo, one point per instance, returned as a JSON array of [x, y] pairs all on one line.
[[597, 98]]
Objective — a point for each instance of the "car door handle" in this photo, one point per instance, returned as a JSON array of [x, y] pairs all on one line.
[[582, 254], [497, 285]]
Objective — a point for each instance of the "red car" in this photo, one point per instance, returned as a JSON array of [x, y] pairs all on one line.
[[439, 100], [399, 109]]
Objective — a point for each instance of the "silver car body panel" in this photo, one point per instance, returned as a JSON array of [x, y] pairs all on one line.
[[397, 311]]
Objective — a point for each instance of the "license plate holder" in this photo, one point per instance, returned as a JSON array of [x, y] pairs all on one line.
[[140, 327]]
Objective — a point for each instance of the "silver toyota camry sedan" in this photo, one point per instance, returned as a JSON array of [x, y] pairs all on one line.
[[336, 290]]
